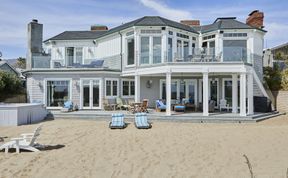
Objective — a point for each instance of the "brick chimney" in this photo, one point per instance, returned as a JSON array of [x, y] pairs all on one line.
[[191, 23], [99, 28], [255, 19]]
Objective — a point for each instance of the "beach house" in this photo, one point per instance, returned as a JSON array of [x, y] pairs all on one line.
[[150, 58]]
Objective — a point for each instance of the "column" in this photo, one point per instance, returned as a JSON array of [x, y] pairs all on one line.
[[250, 94], [168, 93], [234, 93], [243, 94], [137, 88], [205, 94]]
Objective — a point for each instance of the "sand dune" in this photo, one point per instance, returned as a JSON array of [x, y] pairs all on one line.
[[82, 148]]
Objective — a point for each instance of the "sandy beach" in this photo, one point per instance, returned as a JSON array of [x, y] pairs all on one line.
[[87, 148]]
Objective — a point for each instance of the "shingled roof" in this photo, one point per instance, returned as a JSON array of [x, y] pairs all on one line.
[[144, 21], [225, 23]]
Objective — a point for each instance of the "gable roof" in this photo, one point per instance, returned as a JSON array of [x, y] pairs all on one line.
[[144, 21], [223, 23], [5, 63]]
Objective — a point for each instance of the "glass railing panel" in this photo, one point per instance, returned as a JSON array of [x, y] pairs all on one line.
[[41, 61]]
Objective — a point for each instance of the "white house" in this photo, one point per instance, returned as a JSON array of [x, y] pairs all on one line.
[[152, 58]]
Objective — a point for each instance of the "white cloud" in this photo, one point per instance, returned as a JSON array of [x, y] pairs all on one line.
[[164, 10]]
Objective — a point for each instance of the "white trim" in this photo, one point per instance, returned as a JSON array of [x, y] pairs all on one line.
[[56, 79], [126, 51], [209, 90], [111, 79]]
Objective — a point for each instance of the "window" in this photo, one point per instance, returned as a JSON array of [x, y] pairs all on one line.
[[208, 37], [128, 88], [170, 46], [182, 35], [150, 31], [79, 55], [235, 34], [74, 55], [170, 33], [130, 51], [69, 56], [111, 87], [130, 33], [57, 93], [144, 50], [228, 91], [179, 49], [186, 49], [156, 50]]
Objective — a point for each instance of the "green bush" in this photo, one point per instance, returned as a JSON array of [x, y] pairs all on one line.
[[9, 83], [273, 77], [284, 81]]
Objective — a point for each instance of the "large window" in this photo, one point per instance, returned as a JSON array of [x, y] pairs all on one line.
[[57, 93], [228, 91], [156, 50], [170, 49], [130, 51], [151, 48], [144, 50], [128, 88], [111, 87], [186, 49]]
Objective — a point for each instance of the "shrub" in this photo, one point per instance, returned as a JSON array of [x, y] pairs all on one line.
[[9, 83]]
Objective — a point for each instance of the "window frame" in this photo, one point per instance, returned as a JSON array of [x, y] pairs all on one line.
[[129, 38], [129, 88], [111, 87]]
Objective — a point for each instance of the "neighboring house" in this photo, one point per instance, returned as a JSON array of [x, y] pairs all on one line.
[[5, 66], [276, 55], [153, 58], [268, 58]]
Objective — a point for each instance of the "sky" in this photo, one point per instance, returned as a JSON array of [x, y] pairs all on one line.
[[65, 15]]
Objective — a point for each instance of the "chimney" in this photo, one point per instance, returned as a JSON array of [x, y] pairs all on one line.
[[255, 19], [99, 28], [35, 39], [191, 23]]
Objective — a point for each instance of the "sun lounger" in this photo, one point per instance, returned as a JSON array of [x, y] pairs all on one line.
[[68, 107], [26, 142], [117, 121], [141, 121]]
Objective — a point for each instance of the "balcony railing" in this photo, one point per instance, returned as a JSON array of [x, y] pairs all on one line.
[[204, 55], [41, 61]]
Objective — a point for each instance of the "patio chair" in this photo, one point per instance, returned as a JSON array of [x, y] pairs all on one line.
[[160, 106], [67, 107], [141, 121], [144, 106], [120, 104], [223, 105], [26, 141], [117, 121], [212, 106]]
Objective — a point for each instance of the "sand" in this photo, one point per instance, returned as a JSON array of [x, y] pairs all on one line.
[[87, 148]]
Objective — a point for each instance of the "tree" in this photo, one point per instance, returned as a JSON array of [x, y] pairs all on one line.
[[21, 63], [9, 83], [284, 81], [273, 77]]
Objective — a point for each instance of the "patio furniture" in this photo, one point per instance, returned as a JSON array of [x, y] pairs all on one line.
[[179, 108], [117, 121], [135, 107], [141, 121], [58, 65], [94, 64], [106, 105], [120, 105], [26, 141], [67, 107], [212, 106], [160, 106], [223, 105], [144, 105]]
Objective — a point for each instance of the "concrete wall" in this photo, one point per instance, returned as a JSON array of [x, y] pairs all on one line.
[[281, 98]]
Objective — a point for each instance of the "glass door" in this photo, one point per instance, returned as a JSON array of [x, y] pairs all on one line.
[[69, 56], [90, 94]]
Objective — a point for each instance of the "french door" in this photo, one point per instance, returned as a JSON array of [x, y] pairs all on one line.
[[90, 93]]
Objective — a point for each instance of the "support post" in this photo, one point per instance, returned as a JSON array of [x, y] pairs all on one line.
[[250, 94], [137, 88], [234, 93], [168, 93], [243, 94], [205, 94]]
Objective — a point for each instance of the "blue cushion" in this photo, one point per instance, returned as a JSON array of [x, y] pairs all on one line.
[[68, 104], [97, 63], [179, 107]]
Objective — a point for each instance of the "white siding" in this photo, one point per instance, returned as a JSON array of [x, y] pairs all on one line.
[[108, 47]]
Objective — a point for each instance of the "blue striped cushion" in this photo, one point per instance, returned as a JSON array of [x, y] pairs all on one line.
[[141, 120], [117, 120]]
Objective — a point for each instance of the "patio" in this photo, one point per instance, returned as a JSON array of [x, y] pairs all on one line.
[[197, 117]]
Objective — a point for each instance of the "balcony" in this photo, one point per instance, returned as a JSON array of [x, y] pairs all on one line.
[[41, 62]]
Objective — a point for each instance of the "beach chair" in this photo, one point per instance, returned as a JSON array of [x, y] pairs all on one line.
[[141, 121], [117, 121], [26, 141], [68, 107], [160, 106], [144, 105]]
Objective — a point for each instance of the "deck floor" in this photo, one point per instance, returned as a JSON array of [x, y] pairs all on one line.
[[161, 116]]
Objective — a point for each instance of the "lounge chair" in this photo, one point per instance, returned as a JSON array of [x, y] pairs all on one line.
[[68, 106], [117, 121], [120, 104], [144, 105], [160, 106], [223, 105], [141, 121], [26, 141]]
